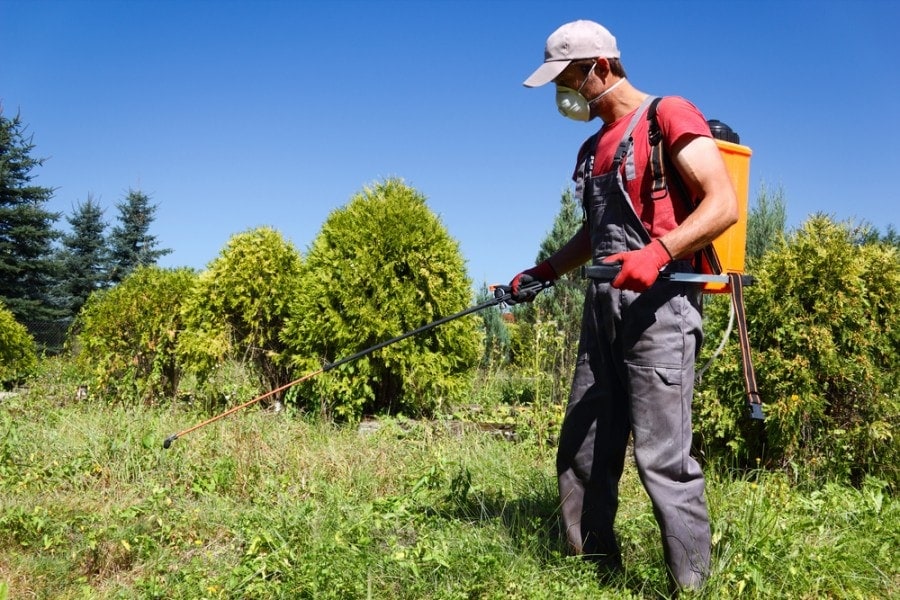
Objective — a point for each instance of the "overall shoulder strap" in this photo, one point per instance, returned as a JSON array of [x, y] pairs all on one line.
[[622, 150], [627, 138], [586, 155]]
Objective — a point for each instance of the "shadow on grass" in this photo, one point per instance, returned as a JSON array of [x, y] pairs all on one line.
[[533, 523]]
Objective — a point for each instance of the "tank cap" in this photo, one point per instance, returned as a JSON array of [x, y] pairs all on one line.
[[721, 131]]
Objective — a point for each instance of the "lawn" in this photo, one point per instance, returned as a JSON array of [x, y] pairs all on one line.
[[279, 505]]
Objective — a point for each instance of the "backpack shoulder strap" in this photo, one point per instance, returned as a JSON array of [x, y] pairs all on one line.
[[657, 158], [708, 259]]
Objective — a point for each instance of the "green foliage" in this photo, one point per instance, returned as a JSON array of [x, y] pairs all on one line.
[[765, 223], [496, 334], [239, 305], [824, 324], [18, 358], [382, 266], [131, 245], [27, 269], [566, 223], [764, 545], [869, 234], [267, 506], [545, 338], [539, 351], [127, 335], [84, 256]]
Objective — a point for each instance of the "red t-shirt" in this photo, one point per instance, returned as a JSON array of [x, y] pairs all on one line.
[[677, 117]]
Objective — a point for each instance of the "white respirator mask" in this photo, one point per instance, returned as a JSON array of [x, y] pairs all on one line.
[[572, 104]]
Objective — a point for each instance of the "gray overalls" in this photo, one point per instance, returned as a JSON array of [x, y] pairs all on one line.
[[634, 373]]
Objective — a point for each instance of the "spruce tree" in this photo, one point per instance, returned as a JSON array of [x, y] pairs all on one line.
[[866, 233], [27, 266], [84, 256], [496, 334], [566, 223], [131, 244], [558, 307], [765, 223], [561, 303]]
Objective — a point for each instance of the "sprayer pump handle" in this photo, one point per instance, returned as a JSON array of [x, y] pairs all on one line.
[[504, 292]]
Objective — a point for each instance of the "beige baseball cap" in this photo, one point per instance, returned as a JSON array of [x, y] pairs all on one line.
[[573, 41]]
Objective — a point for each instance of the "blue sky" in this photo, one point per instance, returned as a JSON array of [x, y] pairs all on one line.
[[233, 115]]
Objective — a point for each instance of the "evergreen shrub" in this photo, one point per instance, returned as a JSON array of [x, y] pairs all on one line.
[[238, 308], [127, 335], [824, 326], [381, 266], [18, 357]]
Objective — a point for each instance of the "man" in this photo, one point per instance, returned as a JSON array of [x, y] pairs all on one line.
[[640, 335]]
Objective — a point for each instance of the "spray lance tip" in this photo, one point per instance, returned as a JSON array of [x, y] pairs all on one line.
[[169, 441]]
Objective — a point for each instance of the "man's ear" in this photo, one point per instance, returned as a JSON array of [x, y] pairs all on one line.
[[602, 69]]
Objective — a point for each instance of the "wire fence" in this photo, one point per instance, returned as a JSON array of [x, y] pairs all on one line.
[[50, 336]]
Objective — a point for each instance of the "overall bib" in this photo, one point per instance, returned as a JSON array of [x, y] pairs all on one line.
[[634, 374]]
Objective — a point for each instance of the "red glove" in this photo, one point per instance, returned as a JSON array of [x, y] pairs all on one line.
[[541, 272], [640, 268]]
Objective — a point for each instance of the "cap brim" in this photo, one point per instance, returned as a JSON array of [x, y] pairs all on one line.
[[546, 73]]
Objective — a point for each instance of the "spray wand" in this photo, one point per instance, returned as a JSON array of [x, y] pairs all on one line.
[[502, 294]]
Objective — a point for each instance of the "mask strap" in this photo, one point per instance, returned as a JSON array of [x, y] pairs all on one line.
[[607, 90], [586, 77]]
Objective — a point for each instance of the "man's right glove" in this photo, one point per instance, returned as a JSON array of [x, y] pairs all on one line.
[[543, 272], [640, 268]]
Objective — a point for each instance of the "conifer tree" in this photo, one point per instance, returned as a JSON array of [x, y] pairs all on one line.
[[563, 302], [496, 334], [84, 256], [27, 268], [566, 223], [765, 223], [131, 244]]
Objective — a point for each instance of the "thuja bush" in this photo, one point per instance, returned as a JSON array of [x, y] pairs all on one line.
[[824, 326], [18, 358], [127, 335], [238, 308], [381, 266]]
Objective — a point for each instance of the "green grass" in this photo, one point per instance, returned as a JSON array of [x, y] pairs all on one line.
[[264, 505]]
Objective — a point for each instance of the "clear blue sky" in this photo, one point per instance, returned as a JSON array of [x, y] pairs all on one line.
[[233, 115]]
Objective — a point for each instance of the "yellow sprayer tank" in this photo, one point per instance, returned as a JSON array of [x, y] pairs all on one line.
[[731, 246]]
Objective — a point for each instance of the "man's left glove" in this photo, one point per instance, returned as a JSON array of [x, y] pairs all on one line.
[[542, 272], [640, 268]]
